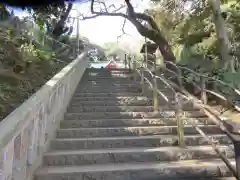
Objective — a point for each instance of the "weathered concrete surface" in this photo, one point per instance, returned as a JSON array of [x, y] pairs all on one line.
[[175, 170], [132, 131], [129, 122], [125, 115], [25, 134], [133, 155], [117, 136], [132, 141]]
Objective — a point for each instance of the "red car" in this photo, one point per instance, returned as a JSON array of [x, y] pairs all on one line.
[[112, 65]]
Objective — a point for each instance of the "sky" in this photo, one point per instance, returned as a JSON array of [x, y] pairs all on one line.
[[104, 29]]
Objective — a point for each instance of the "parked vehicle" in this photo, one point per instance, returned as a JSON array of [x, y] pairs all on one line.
[[109, 64], [99, 64], [112, 65]]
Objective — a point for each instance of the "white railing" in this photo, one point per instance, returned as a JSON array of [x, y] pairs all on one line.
[[25, 134]]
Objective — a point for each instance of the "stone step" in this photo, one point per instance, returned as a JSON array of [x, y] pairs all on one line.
[[126, 99], [116, 92], [133, 131], [103, 90], [106, 94], [108, 81], [138, 171], [133, 141], [116, 102], [107, 78], [104, 84], [133, 155], [93, 70], [127, 115], [87, 108], [99, 86], [129, 122], [108, 75], [107, 85]]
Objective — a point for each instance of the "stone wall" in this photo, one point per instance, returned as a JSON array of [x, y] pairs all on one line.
[[25, 134]]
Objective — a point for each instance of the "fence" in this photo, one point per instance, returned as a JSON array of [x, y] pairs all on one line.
[[181, 95]]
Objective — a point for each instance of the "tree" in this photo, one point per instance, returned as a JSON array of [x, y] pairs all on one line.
[[222, 36], [53, 17], [149, 29], [147, 26]]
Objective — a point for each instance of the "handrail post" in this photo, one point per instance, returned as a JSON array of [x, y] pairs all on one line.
[[180, 123], [129, 62], [142, 79], [237, 157], [155, 93], [134, 70], [125, 61], [203, 93], [233, 128]]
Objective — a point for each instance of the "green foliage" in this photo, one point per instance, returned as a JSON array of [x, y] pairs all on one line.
[[193, 37], [24, 66], [52, 18]]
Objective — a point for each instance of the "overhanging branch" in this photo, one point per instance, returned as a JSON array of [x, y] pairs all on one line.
[[123, 30], [106, 13], [136, 19]]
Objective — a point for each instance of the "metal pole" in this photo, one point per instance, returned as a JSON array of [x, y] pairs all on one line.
[[129, 62], [237, 158], [125, 61], [180, 124], [155, 93], [145, 60], [203, 93]]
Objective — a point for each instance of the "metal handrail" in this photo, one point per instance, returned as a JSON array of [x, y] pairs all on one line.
[[198, 103]]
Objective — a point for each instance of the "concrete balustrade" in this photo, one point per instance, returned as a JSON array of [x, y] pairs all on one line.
[[25, 134]]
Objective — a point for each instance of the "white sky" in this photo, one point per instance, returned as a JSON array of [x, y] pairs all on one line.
[[104, 29]]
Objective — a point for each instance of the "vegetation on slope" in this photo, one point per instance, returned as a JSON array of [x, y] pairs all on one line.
[[27, 60]]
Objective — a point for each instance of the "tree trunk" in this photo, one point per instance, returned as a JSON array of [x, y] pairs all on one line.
[[59, 28], [153, 34], [222, 36]]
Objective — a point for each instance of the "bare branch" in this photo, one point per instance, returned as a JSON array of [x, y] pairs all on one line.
[[106, 13], [104, 5], [82, 17], [123, 30], [136, 19]]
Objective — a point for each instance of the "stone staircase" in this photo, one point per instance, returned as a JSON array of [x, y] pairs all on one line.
[[110, 132]]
